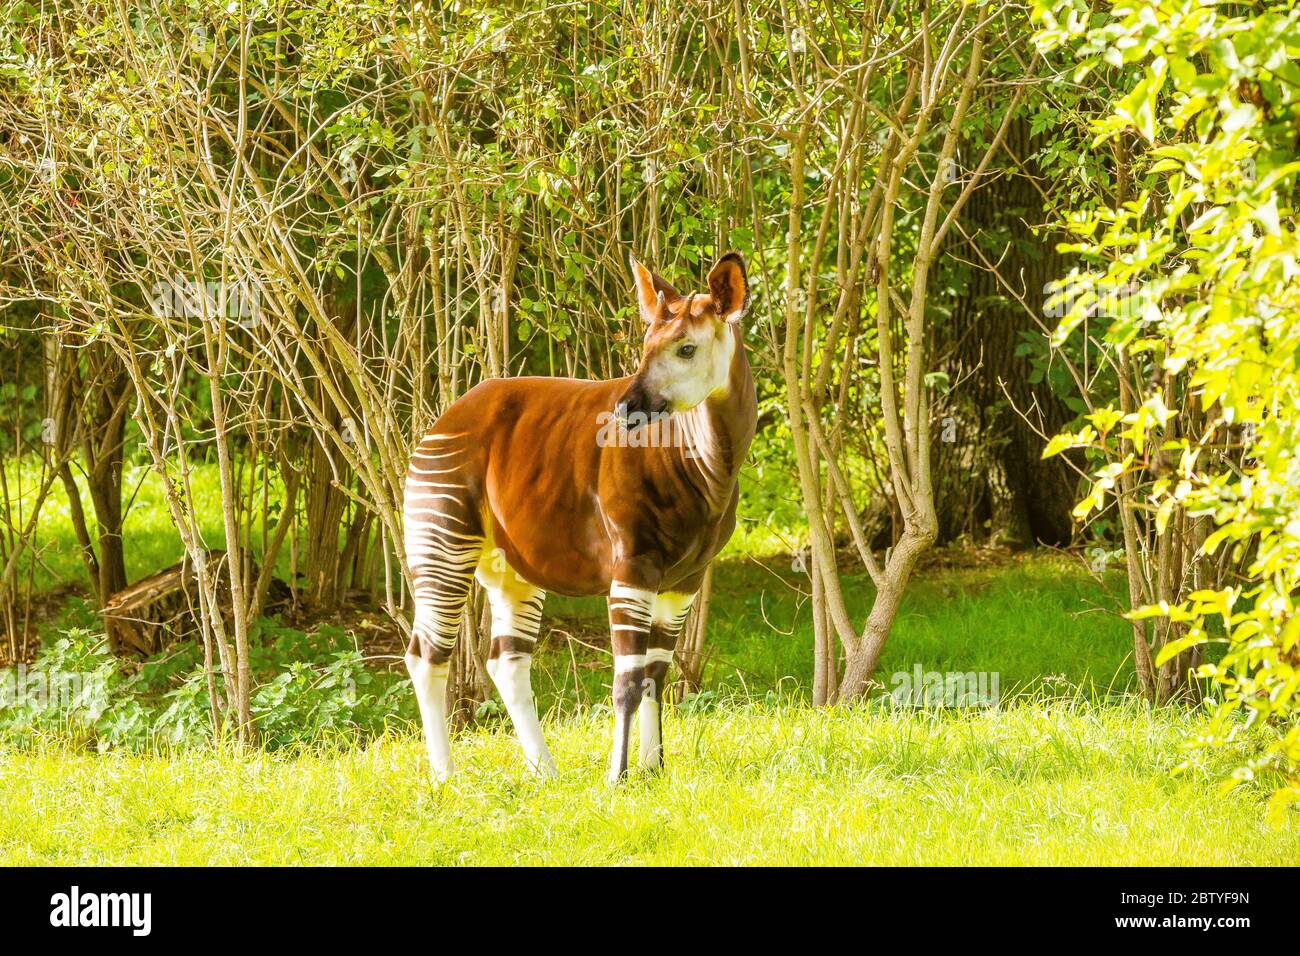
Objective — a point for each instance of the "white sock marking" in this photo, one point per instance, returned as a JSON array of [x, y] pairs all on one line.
[[512, 676], [430, 683], [651, 745]]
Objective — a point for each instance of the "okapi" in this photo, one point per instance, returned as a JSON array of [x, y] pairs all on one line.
[[517, 485]]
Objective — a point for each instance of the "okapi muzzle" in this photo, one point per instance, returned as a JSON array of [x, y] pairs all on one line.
[[637, 404], [516, 486]]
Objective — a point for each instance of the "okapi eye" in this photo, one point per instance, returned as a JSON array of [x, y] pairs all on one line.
[[686, 351]]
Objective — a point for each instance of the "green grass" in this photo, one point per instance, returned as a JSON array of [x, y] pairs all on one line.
[[1068, 769], [1046, 782], [152, 540], [1040, 621]]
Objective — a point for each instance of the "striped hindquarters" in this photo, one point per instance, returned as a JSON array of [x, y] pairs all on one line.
[[443, 539]]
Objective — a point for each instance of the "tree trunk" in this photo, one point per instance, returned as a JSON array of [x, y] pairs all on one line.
[[325, 504], [860, 666], [104, 483], [992, 483], [90, 405], [690, 653]]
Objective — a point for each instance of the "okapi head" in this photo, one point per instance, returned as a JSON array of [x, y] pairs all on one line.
[[690, 339]]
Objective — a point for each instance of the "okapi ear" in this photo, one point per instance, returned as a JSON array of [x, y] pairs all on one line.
[[729, 287], [652, 292]]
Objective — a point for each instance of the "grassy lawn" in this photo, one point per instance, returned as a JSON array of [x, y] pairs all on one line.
[[1065, 770], [1068, 768], [1065, 783], [1041, 622]]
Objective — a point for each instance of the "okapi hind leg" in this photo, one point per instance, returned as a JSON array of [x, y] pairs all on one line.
[[443, 540], [429, 680], [516, 620], [667, 617]]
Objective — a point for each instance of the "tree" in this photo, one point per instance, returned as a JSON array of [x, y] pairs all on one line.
[[991, 481], [870, 358]]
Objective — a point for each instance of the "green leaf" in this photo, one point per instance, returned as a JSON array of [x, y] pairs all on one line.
[[1174, 648]]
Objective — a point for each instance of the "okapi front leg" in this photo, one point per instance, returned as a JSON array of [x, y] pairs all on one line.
[[667, 618], [630, 614]]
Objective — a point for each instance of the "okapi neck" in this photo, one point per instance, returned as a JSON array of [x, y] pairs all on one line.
[[720, 430]]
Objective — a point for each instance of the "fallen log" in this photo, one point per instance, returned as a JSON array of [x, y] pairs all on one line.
[[161, 609]]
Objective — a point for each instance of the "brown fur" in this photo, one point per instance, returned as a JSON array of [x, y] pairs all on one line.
[[571, 516]]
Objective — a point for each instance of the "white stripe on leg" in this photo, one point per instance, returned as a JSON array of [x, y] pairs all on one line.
[[516, 619], [630, 619], [629, 680], [651, 745]]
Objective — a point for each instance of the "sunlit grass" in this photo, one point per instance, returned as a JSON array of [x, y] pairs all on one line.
[[1048, 782], [1040, 621], [1068, 769]]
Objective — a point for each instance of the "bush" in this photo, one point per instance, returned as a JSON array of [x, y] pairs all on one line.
[[310, 687], [1204, 248]]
